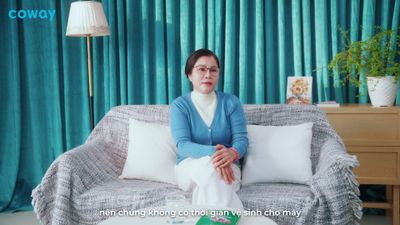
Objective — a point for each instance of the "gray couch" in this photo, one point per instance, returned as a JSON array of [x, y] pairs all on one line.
[[83, 181]]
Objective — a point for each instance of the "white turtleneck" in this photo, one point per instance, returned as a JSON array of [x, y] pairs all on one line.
[[205, 104]]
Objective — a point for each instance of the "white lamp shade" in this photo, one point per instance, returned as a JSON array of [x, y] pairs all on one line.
[[87, 18]]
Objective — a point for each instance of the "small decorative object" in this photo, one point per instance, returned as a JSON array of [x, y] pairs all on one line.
[[328, 104], [299, 90], [219, 217], [377, 59]]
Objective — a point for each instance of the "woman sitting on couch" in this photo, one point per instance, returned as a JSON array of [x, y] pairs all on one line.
[[209, 129]]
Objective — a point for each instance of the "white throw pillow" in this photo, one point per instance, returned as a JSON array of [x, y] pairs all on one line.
[[151, 153], [278, 154]]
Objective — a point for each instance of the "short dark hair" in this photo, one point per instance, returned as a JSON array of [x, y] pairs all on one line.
[[191, 61]]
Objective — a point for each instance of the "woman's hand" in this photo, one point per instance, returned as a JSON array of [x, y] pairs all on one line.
[[222, 160], [223, 157], [226, 173]]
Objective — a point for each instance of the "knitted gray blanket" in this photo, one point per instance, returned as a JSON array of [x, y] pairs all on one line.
[[82, 184]]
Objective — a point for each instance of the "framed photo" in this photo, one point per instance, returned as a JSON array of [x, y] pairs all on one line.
[[299, 90]]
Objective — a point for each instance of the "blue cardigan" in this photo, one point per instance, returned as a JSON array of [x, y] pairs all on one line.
[[195, 139]]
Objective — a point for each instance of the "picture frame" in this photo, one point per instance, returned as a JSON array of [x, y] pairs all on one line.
[[299, 89]]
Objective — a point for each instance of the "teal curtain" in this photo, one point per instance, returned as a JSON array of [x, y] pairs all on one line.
[[44, 92], [43, 97]]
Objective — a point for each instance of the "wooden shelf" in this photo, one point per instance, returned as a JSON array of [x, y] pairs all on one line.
[[379, 205]]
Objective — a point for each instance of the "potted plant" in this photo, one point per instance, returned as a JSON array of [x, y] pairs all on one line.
[[378, 59]]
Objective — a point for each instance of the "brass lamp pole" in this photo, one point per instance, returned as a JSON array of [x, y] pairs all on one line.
[[89, 57]]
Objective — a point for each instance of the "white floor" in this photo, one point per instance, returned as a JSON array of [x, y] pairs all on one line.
[[29, 218]]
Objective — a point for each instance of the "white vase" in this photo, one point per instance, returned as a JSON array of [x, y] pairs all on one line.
[[382, 90]]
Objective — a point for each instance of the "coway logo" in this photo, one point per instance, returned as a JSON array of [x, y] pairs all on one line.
[[31, 14]]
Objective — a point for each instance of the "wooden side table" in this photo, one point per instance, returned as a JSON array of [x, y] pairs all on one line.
[[373, 135]]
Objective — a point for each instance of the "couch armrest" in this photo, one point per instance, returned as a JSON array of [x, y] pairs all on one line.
[[334, 151], [71, 174], [334, 184]]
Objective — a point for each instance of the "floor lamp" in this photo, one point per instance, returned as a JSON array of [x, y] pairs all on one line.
[[87, 19]]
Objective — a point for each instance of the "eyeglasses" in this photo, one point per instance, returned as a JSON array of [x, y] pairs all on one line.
[[203, 70]]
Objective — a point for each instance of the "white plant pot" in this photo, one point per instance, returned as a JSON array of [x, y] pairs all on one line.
[[382, 90]]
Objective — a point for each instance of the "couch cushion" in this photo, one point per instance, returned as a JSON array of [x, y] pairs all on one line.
[[118, 194], [278, 154], [276, 197], [151, 153]]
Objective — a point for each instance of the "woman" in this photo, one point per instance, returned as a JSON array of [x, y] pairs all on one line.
[[209, 129]]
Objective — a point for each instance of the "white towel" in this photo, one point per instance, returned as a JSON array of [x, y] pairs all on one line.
[[209, 189]]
